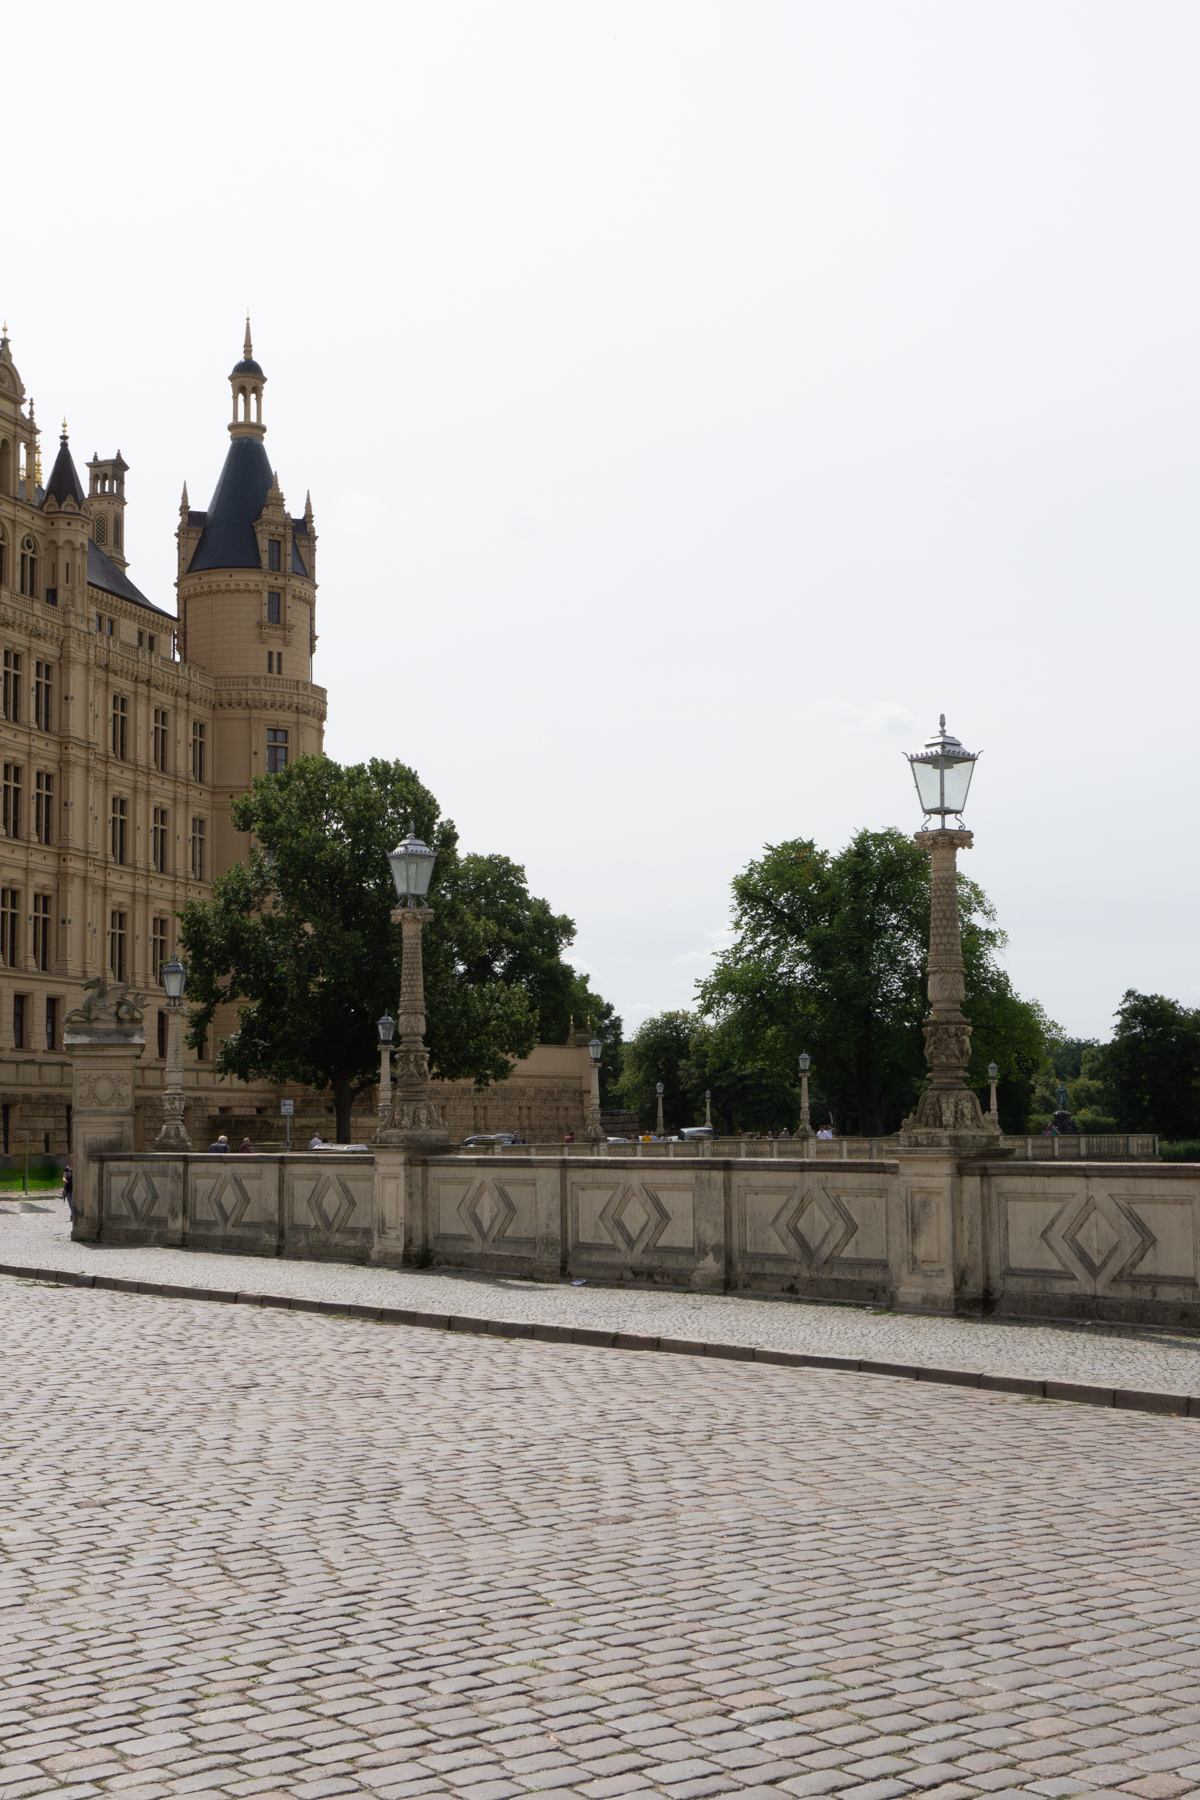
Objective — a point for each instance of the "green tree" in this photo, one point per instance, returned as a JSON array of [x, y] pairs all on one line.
[[830, 958], [658, 1051], [300, 934], [1151, 1069]]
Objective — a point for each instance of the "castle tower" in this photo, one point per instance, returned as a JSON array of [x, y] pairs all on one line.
[[107, 495], [247, 607]]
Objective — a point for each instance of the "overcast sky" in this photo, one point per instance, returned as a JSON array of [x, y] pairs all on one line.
[[696, 400]]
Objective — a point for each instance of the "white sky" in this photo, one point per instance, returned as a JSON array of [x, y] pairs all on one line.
[[696, 399]]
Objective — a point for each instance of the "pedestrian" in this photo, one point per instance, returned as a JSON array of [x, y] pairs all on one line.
[[222, 1144], [316, 1141], [68, 1189], [245, 1148], [824, 1132], [570, 1138], [785, 1133]]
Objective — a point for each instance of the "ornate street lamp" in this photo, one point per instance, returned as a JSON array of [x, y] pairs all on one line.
[[805, 1061], [411, 1120], [708, 1107], [385, 1027], [993, 1077], [942, 772], [173, 1135], [659, 1131], [595, 1131]]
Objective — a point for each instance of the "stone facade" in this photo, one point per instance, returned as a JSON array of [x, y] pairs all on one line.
[[127, 730]]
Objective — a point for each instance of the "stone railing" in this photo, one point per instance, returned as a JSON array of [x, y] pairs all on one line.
[[1112, 1147]]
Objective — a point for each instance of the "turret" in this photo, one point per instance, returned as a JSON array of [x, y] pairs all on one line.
[[107, 495]]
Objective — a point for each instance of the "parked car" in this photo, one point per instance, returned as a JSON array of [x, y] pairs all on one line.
[[488, 1138]]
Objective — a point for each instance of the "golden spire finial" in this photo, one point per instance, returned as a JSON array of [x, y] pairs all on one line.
[[64, 429], [248, 347]]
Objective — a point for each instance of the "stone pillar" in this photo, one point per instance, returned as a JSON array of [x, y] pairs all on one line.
[[948, 1104], [104, 1039], [412, 1120]]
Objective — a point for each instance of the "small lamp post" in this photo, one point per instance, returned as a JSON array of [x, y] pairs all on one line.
[[708, 1107], [385, 1027], [659, 1131], [993, 1077], [595, 1131], [942, 773], [805, 1061], [412, 1120], [173, 1135]]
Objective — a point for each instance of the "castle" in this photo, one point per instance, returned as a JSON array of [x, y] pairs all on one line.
[[127, 730]]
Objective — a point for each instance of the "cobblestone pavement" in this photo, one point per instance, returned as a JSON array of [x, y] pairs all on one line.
[[1107, 1355], [260, 1553]]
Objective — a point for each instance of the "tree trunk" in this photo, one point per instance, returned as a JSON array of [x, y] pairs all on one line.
[[342, 1097]]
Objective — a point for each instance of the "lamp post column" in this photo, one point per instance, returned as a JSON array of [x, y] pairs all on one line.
[[173, 1135], [385, 1080], [595, 1131], [805, 1130], [659, 1129], [993, 1109], [412, 1119], [708, 1107], [947, 1104]]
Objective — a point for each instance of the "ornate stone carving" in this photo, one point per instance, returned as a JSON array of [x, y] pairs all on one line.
[[412, 1118], [102, 1090], [948, 1104], [107, 1005]]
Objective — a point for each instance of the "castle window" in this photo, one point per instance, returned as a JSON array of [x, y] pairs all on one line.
[[52, 1024], [10, 801], [159, 738], [112, 627], [43, 696], [99, 622], [3, 556], [120, 727], [273, 609], [274, 662], [100, 530], [116, 945], [10, 913], [162, 1035], [150, 643], [29, 566], [5, 467], [158, 840], [12, 685], [158, 948], [41, 932], [197, 750], [274, 548], [18, 1021], [119, 828], [197, 849], [277, 751], [43, 807]]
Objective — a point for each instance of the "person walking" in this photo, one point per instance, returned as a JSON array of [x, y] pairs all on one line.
[[222, 1144], [245, 1148], [316, 1141], [68, 1189]]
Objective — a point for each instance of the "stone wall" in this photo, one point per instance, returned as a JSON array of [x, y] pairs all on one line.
[[922, 1230]]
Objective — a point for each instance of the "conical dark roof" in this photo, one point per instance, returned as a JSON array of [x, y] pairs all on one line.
[[228, 540], [64, 477]]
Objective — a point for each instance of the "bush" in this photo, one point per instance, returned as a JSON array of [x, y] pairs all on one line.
[[1188, 1150]]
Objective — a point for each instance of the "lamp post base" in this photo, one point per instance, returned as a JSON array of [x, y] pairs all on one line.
[[173, 1136], [412, 1124]]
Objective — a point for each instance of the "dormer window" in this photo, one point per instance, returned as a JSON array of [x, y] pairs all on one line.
[[274, 549]]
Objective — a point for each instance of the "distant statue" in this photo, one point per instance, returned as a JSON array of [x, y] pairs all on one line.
[[107, 1005], [1060, 1096]]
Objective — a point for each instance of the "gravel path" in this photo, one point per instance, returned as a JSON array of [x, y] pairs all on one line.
[[1106, 1355]]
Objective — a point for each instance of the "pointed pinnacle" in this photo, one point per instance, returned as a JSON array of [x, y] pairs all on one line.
[[248, 348]]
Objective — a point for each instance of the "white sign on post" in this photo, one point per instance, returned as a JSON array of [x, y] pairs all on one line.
[[287, 1108]]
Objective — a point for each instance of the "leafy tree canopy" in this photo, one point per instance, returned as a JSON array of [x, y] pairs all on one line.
[[830, 958], [301, 935], [1150, 1072]]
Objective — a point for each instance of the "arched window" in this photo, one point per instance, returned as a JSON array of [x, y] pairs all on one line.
[[29, 566], [100, 533], [117, 533], [258, 406], [5, 467], [3, 557]]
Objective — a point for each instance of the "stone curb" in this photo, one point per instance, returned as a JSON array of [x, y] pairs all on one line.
[[1122, 1399]]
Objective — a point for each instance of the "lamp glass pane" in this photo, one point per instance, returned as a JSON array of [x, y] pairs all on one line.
[[958, 780], [928, 778], [174, 979], [595, 1049], [412, 868]]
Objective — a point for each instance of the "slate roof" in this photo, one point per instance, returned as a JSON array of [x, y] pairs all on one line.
[[106, 576], [228, 540], [247, 366], [64, 478]]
